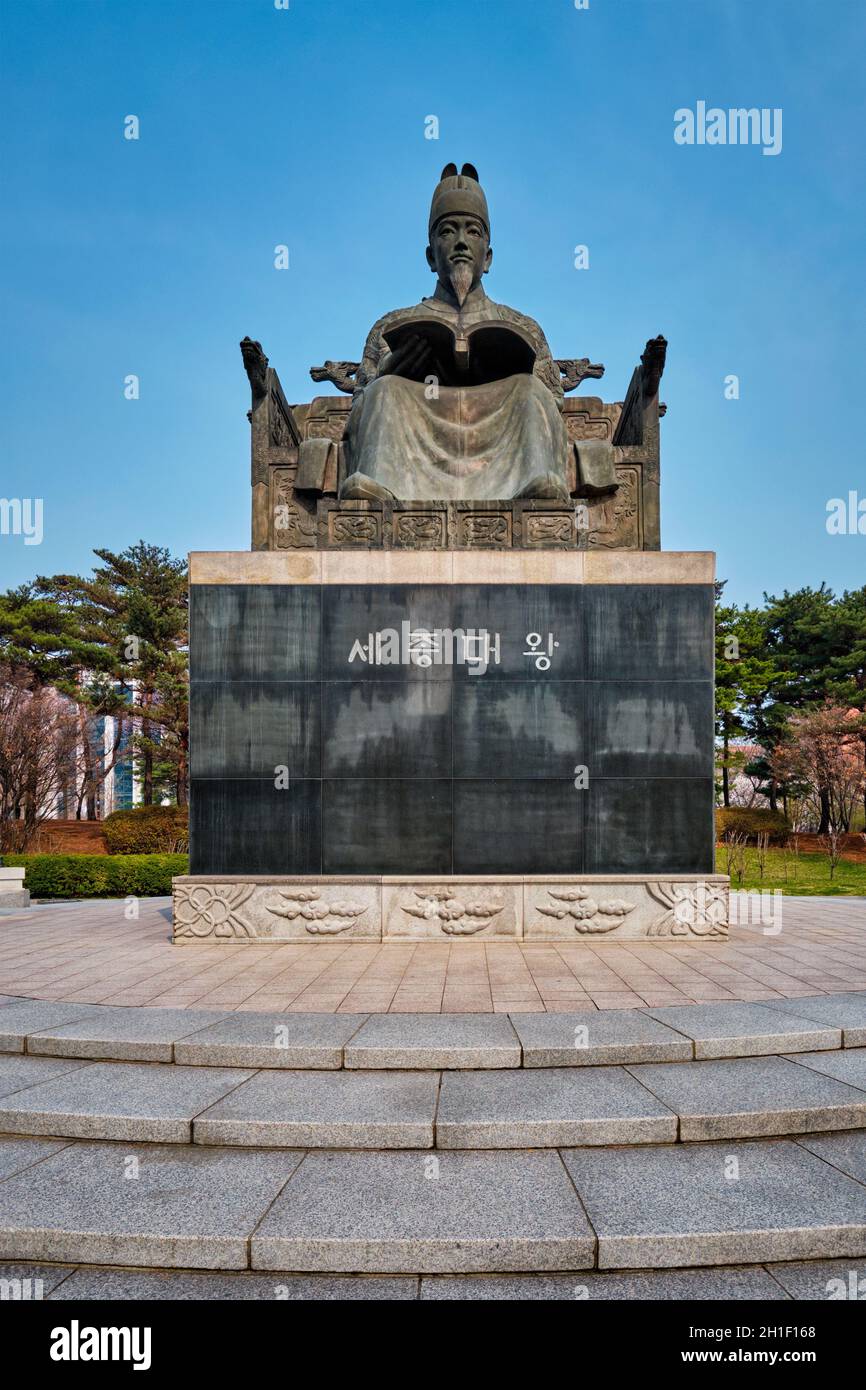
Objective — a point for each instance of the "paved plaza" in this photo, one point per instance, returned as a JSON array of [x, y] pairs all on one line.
[[89, 952]]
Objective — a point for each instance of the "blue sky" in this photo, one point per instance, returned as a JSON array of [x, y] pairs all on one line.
[[306, 127]]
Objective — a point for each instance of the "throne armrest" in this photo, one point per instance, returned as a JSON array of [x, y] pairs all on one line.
[[574, 370], [343, 375]]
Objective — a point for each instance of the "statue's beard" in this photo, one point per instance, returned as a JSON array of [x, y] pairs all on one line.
[[461, 277]]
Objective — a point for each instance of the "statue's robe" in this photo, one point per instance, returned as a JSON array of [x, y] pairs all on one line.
[[457, 442]]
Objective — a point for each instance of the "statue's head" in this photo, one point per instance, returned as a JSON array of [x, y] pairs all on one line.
[[459, 230]]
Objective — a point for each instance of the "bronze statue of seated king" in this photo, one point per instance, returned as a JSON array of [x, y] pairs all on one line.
[[455, 430], [456, 397]]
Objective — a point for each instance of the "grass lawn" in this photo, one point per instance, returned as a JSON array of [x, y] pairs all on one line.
[[805, 874]]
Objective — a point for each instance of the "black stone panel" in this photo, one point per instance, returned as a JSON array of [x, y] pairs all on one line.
[[386, 729], [249, 729], [247, 826], [432, 769], [386, 827], [518, 827], [649, 631], [649, 825], [352, 614], [511, 729], [649, 728], [244, 632]]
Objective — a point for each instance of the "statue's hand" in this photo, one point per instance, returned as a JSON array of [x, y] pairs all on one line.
[[407, 360]]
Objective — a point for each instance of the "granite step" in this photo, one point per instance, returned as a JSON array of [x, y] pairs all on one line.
[[281, 1041], [750, 1097], [463, 1212], [546, 1109], [650, 1103], [109, 1100], [197, 1037], [804, 1280], [808, 1280], [747, 1029], [846, 1011]]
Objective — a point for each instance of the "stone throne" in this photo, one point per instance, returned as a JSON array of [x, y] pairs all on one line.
[[298, 463]]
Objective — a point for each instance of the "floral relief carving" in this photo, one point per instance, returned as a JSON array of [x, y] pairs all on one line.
[[696, 909], [204, 910], [319, 916], [589, 915], [455, 917], [614, 519], [294, 528], [330, 426], [580, 424]]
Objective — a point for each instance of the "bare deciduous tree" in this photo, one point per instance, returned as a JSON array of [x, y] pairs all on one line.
[[734, 842], [38, 737], [832, 843], [822, 754]]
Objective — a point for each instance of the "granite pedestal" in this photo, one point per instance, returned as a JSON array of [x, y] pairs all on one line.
[[451, 744]]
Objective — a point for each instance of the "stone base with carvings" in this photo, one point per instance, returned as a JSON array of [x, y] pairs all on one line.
[[261, 909], [509, 525]]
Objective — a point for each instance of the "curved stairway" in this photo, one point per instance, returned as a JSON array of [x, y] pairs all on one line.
[[706, 1151]]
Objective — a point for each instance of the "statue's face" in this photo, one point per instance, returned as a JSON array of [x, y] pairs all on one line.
[[459, 248]]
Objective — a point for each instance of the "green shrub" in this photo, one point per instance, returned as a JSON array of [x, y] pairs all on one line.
[[99, 875], [148, 830], [751, 821]]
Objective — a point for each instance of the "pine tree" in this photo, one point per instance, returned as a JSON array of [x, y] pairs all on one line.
[[116, 643]]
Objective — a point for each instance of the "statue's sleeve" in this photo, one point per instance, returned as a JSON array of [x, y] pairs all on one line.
[[545, 368], [374, 350]]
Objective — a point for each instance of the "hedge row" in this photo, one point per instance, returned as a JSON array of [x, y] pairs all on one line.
[[751, 821], [99, 875], [147, 830]]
